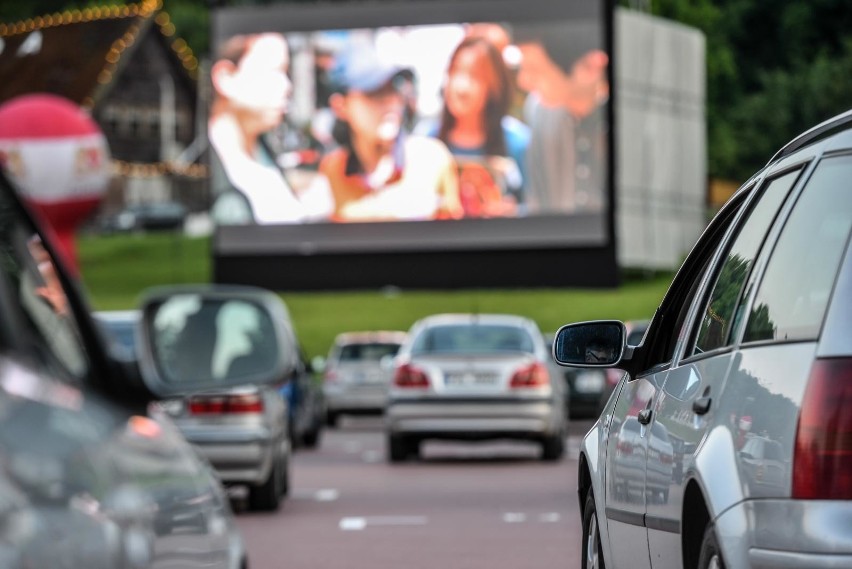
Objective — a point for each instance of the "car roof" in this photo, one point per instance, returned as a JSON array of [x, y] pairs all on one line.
[[813, 135], [471, 318], [373, 336]]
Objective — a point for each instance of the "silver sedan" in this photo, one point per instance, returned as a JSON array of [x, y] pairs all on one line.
[[474, 377]]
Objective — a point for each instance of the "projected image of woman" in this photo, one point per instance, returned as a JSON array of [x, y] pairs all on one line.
[[488, 143], [251, 94], [380, 172]]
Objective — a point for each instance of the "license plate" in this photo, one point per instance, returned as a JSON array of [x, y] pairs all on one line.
[[469, 378]]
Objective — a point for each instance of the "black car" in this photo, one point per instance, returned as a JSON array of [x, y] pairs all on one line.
[[154, 216]]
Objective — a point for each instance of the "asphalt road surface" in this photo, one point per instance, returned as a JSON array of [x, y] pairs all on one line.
[[462, 506]]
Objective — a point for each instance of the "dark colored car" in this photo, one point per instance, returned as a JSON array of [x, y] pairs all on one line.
[[93, 473], [635, 332], [154, 216], [306, 405], [728, 441]]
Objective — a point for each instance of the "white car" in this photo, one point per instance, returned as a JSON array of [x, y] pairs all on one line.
[[358, 373], [474, 377]]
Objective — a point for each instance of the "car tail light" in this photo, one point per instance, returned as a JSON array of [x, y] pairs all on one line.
[[331, 375], [822, 458], [226, 405], [409, 376], [533, 375]]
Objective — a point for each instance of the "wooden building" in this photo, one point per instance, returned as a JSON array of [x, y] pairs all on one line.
[[139, 81]]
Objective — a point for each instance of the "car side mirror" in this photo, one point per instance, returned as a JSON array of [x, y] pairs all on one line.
[[201, 338], [591, 344]]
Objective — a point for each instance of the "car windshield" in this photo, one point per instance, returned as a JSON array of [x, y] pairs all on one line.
[[473, 338], [372, 351]]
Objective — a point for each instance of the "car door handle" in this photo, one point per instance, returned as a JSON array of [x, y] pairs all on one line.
[[644, 416], [701, 405]]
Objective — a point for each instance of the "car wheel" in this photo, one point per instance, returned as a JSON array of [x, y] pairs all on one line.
[[267, 496], [398, 448], [592, 552], [285, 478], [332, 419], [552, 448], [710, 556], [311, 438]]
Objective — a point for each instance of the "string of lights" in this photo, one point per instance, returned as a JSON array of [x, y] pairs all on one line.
[[152, 170], [141, 11]]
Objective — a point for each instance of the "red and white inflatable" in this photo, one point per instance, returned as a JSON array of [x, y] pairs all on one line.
[[59, 158]]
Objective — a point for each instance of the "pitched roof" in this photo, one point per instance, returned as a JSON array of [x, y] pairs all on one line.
[[76, 54]]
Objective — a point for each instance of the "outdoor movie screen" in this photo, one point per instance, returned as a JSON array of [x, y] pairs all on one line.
[[412, 125]]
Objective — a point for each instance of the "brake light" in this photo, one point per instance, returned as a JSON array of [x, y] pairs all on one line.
[[331, 375], [226, 405], [822, 458], [533, 375], [407, 375]]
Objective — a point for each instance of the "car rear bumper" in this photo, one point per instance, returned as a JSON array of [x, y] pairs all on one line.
[[243, 457], [474, 419], [787, 534], [339, 400]]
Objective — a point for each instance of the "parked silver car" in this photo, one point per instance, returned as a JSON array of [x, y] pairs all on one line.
[[474, 377], [358, 372], [746, 372], [241, 430], [93, 474]]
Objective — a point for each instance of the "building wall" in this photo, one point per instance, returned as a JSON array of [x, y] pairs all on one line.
[[130, 113], [661, 138]]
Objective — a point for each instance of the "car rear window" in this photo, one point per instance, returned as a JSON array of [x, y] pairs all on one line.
[[473, 338], [372, 351]]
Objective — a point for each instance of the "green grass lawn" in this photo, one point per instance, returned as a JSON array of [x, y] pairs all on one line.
[[116, 269]]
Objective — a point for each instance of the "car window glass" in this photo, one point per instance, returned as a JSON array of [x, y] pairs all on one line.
[[213, 340], [367, 352], [717, 319], [473, 338], [794, 292], [51, 329]]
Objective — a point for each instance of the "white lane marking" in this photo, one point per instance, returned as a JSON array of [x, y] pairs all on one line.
[[549, 517], [353, 524], [326, 495], [358, 524], [318, 495], [514, 517]]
